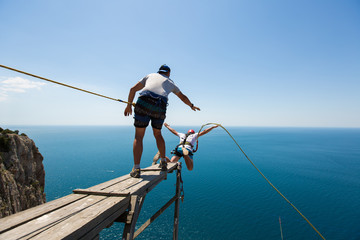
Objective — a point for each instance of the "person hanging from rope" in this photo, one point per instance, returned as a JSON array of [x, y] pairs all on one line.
[[151, 105], [186, 146]]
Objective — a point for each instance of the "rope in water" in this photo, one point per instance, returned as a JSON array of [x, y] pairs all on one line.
[[302, 215], [63, 84]]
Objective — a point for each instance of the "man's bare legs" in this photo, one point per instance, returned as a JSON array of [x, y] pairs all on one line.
[[189, 162], [161, 147], [160, 143], [175, 159], [138, 144]]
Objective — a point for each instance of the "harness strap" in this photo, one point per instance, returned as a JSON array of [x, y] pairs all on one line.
[[184, 142], [183, 145], [188, 143]]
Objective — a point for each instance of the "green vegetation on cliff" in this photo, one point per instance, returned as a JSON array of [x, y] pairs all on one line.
[[5, 140]]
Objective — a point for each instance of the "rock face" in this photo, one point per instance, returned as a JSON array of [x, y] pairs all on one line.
[[22, 175]]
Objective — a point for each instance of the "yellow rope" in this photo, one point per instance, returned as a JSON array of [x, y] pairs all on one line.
[[265, 177], [49, 80]]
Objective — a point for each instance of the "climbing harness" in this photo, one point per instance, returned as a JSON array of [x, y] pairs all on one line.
[[265, 177], [49, 80], [184, 142]]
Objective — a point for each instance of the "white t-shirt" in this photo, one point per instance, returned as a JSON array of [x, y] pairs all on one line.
[[191, 139], [159, 84]]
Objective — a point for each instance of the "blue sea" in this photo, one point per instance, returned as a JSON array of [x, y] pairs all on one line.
[[317, 169]]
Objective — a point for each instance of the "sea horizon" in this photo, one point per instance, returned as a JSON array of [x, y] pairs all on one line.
[[181, 125]]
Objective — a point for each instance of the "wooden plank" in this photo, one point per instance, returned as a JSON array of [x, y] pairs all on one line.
[[156, 215], [122, 179], [56, 214], [147, 170], [134, 185], [101, 193], [125, 185], [171, 166], [138, 186], [148, 183], [109, 183], [123, 182], [97, 216], [105, 223], [46, 221], [136, 205], [25, 216]]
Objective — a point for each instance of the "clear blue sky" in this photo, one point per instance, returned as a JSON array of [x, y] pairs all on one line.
[[244, 63]]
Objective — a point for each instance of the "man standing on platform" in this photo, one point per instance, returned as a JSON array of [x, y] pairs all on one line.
[[151, 105]]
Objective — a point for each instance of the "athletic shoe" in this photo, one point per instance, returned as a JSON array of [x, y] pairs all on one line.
[[156, 157], [163, 165], [135, 173]]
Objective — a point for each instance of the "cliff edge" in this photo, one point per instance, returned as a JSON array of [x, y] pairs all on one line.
[[22, 175]]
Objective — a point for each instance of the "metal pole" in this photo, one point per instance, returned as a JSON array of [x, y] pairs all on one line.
[[177, 203]]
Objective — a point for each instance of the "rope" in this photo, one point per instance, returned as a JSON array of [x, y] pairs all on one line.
[[281, 232], [52, 81], [265, 178]]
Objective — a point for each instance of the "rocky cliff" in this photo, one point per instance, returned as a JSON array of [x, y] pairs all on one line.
[[22, 175]]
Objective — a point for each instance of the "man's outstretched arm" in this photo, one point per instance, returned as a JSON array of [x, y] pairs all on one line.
[[186, 100], [207, 130], [171, 129]]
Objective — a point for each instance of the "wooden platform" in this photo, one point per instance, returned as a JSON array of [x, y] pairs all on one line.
[[83, 214]]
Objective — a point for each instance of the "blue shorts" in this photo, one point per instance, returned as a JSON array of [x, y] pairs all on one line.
[[150, 106], [178, 152]]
